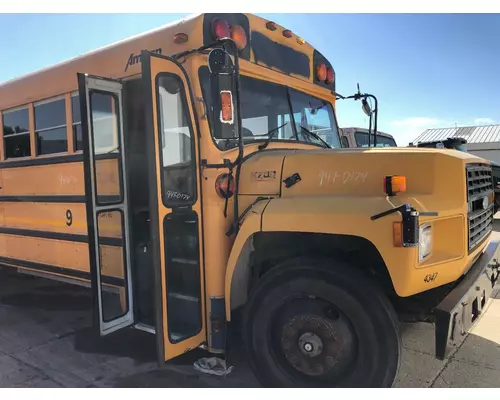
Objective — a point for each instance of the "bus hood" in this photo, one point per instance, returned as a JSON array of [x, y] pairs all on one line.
[[355, 172]]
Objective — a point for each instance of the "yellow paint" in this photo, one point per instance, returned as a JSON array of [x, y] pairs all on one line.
[[339, 190], [173, 350]]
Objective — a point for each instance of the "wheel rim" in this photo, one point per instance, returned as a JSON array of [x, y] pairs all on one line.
[[313, 340]]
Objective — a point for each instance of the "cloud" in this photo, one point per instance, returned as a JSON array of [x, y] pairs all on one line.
[[406, 130], [483, 121]]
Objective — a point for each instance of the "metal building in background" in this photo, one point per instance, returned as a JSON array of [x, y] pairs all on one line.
[[483, 141]]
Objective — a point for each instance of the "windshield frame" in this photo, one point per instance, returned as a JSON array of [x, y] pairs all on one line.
[[203, 74]]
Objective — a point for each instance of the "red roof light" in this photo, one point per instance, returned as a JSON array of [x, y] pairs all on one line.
[[330, 75], [321, 72], [220, 28]]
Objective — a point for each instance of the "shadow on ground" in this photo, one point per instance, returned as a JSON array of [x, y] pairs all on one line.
[[47, 340]]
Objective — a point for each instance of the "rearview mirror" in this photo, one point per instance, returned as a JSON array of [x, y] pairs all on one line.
[[366, 107], [220, 62], [223, 94]]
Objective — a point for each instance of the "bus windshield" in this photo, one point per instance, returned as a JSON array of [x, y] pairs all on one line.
[[266, 106], [382, 141]]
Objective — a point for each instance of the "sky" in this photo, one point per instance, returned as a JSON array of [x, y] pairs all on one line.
[[427, 70]]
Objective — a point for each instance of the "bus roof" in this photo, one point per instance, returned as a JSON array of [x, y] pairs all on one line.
[[122, 59], [109, 60], [100, 49]]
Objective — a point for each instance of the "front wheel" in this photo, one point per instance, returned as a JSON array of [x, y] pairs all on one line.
[[320, 324]]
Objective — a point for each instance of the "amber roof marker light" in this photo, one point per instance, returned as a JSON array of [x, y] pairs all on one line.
[[271, 26], [180, 38]]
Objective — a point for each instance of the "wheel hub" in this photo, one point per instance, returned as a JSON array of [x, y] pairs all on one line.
[[310, 344], [317, 345]]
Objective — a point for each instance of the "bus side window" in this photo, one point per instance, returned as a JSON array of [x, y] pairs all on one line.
[[50, 127], [16, 133], [178, 183]]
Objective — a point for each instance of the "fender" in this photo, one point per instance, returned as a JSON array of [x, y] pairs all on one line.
[[240, 252], [341, 215], [350, 215]]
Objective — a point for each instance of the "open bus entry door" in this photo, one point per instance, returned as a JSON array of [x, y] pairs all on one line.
[[175, 207], [106, 201]]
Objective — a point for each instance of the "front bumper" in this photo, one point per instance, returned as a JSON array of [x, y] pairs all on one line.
[[462, 307]]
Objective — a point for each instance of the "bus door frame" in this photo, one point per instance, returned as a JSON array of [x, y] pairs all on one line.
[[153, 65], [87, 84]]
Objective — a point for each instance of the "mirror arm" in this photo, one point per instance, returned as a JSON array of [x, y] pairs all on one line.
[[358, 96], [375, 111]]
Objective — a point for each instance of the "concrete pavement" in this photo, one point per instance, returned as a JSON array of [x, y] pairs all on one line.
[[474, 363], [45, 341]]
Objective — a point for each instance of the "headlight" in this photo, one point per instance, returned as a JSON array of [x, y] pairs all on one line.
[[425, 241]]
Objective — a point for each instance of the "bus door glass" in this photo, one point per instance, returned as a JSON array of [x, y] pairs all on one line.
[[175, 206], [106, 198]]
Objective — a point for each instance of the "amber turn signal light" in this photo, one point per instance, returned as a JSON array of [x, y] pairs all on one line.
[[397, 234], [394, 184], [226, 101]]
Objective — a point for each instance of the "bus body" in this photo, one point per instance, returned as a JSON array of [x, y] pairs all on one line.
[[183, 194], [358, 137]]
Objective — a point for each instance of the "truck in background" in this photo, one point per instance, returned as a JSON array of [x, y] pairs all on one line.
[[358, 137]]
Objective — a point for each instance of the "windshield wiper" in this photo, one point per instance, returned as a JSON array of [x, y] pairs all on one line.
[[227, 142], [271, 135], [315, 136]]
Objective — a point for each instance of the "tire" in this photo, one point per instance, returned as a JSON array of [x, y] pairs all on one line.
[[321, 323]]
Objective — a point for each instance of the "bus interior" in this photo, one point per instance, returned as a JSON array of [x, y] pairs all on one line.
[[137, 178], [180, 228]]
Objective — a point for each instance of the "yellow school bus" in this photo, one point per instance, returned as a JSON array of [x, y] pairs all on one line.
[[178, 174]]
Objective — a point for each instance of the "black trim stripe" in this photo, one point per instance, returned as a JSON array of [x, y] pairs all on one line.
[[65, 159], [109, 280], [108, 200], [70, 237]]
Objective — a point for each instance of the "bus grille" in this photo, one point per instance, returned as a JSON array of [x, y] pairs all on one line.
[[480, 219]]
